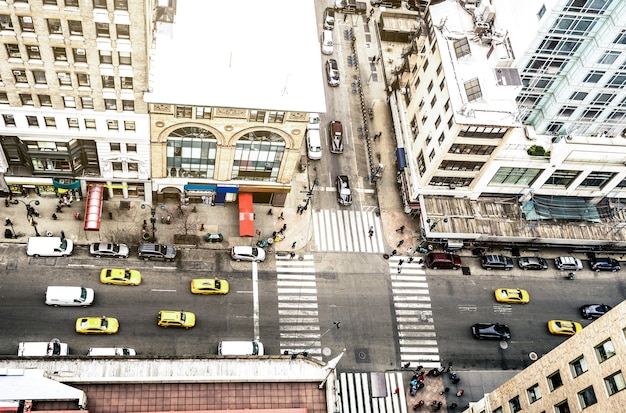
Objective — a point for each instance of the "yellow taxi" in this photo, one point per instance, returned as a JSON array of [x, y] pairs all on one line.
[[568, 328], [209, 286], [97, 325], [168, 318], [120, 276], [512, 296]]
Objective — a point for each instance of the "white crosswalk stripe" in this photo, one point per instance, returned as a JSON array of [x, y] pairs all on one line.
[[297, 306], [413, 312], [372, 393], [347, 231]]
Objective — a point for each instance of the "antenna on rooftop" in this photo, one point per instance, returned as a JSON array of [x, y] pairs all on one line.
[[285, 91]]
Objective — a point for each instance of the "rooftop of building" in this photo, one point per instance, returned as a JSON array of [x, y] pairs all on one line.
[[216, 56]]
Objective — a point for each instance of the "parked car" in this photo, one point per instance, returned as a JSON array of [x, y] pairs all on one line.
[[594, 310], [120, 276], [335, 133], [493, 331], [108, 249], [443, 260], [604, 264], [568, 263], [152, 251], [97, 325], [344, 193], [327, 42], [496, 262], [512, 295], [332, 73], [563, 327], [168, 318], [532, 263], [209, 286], [246, 253], [329, 18]]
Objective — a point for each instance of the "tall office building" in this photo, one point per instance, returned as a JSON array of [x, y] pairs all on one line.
[[71, 96]]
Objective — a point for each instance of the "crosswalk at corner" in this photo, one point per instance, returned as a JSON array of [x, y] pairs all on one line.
[[413, 311], [347, 231], [297, 306], [361, 392]]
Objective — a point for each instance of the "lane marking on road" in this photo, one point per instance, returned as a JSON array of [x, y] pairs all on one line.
[[255, 299], [467, 308], [81, 265], [162, 291]]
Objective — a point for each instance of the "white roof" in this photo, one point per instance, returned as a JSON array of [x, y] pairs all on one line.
[[242, 54]]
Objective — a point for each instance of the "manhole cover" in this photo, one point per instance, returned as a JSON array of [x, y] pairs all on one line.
[[326, 351], [504, 344], [361, 355], [533, 356]]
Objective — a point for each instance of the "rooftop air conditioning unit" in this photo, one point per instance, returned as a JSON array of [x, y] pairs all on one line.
[[34, 48], [17, 73], [80, 52], [452, 185]]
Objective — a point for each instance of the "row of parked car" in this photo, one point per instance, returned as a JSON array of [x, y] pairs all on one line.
[[445, 260]]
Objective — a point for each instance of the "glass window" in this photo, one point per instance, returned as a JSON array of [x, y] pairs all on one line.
[[562, 178], [258, 156], [69, 102], [129, 125], [110, 104], [514, 404], [64, 79], [257, 116], [108, 82], [203, 113], [27, 99], [80, 55], [33, 52], [605, 351], [5, 22], [71, 3], [578, 366], [60, 54], [54, 26], [115, 147], [615, 383], [124, 58], [123, 31], [515, 176], [26, 23], [90, 124], [102, 30], [620, 38], [128, 105], [83, 79], [100, 4], [183, 111], [72, 123], [120, 4], [131, 147], [554, 381], [534, 393], [87, 102], [32, 121], [4, 98], [112, 125], [45, 100], [14, 51], [593, 76], [9, 120], [276, 117], [597, 179], [127, 82], [76, 27], [106, 57], [20, 76], [609, 57], [562, 407], [587, 397], [50, 121], [191, 152], [40, 77]]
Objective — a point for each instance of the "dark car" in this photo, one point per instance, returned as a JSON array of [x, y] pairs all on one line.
[[532, 263], [496, 262], [594, 310], [443, 260], [493, 331], [604, 264]]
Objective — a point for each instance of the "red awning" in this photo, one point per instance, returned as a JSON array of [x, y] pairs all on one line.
[[246, 216], [93, 209]]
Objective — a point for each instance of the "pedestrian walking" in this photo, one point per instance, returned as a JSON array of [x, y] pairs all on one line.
[[394, 252], [397, 390], [378, 135], [293, 245], [371, 231], [8, 222], [460, 393], [280, 216], [269, 211], [399, 269], [409, 250], [292, 255], [447, 389], [400, 243], [284, 227], [400, 230], [401, 262], [344, 17], [410, 260]]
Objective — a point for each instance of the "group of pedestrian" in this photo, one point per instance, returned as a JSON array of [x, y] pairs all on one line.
[[301, 209]]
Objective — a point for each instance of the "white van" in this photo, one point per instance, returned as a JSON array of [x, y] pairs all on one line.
[[327, 42], [53, 348], [49, 247], [313, 144], [240, 348], [69, 296], [111, 351]]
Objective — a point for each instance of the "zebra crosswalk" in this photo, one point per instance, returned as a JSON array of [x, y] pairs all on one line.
[[297, 306], [414, 316], [347, 231], [376, 395]]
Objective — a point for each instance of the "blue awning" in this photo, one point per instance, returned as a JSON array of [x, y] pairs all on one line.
[[73, 185], [191, 187], [401, 158], [228, 189]]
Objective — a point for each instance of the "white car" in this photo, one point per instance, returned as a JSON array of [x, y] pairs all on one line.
[[244, 253], [327, 42]]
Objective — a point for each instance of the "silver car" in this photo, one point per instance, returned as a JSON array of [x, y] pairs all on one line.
[[108, 249], [332, 72]]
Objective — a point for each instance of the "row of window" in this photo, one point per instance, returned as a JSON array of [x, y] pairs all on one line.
[[560, 178], [62, 54], [97, 4], [85, 102], [72, 123], [38, 77], [72, 27], [199, 112], [586, 397]]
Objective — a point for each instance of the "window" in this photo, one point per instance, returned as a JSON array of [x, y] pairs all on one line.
[[541, 12], [498, 410], [567, 111], [257, 116], [20, 76], [578, 96], [131, 147], [54, 26], [554, 381], [76, 27], [14, 51], [27, 99], [117, 166], [587, 6], [534, 393], [615, 383], [64, 79], [120, 4], [609, 57], [597, 179], [472, 89], [108, 82], [50, 122], [90, 124], [442, 85], [110, 104], [439, 68], [5, 22], [45, 100], [106, 58], [115, 147], [514, 404], [578, 366], [39, 76], [128, 105], [425, 65], [617, 81], [461, 47], [441, 138], [587, 397], [32, 121], [9, 120], [50, 2], [113, 125], [433, 102], [183, 111], [593, 76], [123, 31], [69, 102], [102, 30], [99, 4], [562, 178], [26, 23], [127, 82], [71, 3], [83, 79], [86, 102], [430, 86], [591, 114], [72, 123], [60, 54], [4, 98], [33, 52], [124, 58], [562, 407], [620, 38], [276, 117], [129, 125], [80, 55], [450, 122], [605, 351], [203, 113]]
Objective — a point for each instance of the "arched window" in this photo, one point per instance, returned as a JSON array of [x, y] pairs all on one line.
[[191, 153], [258, 156]]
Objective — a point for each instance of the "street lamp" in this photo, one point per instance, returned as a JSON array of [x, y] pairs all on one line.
[[305, 352], [152, 219], [30, 211]]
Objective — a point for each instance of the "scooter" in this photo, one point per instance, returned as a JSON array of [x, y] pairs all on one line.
[[570, 276]]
